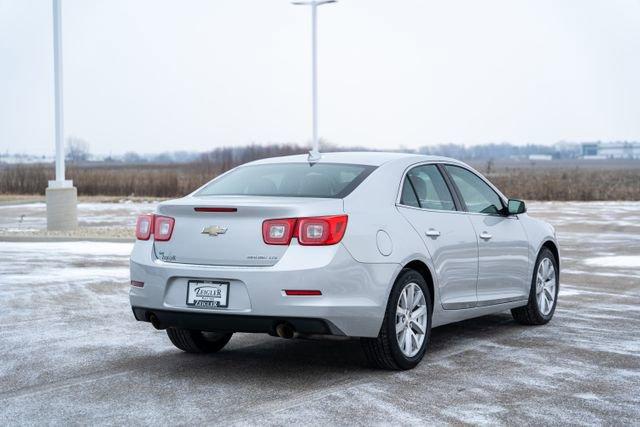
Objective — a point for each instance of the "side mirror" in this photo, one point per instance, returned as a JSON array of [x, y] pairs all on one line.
[[516, 207]]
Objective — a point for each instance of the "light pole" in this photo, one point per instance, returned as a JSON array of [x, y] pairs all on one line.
[[62, 196], [314, 154]]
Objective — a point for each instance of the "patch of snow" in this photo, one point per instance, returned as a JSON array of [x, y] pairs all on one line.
[[587, 396], [619, 261], [474, 413], [564, 292], [55, 250], [597, 273], [89, 214], [63, 262], [37, 205]]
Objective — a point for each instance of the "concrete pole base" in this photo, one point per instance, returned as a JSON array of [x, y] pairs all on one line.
[[62, 208]]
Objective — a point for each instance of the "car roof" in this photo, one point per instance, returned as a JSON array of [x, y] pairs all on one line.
[[372, 158]]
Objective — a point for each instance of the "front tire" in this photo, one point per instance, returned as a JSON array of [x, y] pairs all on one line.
[[543, 296], [198, 341], [405, 331]]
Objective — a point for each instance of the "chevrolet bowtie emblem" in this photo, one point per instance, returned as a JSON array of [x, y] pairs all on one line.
[[214, 230]]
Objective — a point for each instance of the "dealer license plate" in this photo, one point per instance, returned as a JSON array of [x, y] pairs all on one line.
[[207, 294]]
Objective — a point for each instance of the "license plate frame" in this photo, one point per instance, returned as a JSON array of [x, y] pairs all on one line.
[[215, 296]]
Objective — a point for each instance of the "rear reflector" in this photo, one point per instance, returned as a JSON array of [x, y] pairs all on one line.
[[137, 284], [301, 293], [216, 209]]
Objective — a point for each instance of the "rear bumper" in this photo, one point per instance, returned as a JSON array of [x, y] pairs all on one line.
[[214, 322], [353, 300]]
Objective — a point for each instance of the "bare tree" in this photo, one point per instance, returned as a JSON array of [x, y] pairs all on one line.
[[77, 150]]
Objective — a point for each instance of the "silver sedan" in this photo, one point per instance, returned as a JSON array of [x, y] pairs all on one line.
[[376, 246]]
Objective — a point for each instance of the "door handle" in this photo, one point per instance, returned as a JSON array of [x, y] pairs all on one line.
[[432, 233], [485, 236]]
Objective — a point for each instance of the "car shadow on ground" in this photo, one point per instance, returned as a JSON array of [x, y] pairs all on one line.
[[270, 357]]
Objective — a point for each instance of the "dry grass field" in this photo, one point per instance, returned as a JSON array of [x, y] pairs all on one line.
[[576, 180]]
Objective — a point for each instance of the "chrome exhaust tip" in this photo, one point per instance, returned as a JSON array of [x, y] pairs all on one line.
[[284, 330]]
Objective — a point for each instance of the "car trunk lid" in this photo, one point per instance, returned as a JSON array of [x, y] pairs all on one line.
[[227, 230]]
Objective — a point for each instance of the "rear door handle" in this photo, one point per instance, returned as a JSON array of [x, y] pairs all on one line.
[[432, 233], [485, 236]]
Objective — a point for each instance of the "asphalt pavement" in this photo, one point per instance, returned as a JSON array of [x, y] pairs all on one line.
[[72, 353]]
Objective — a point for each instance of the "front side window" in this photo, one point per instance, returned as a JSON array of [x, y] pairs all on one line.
[[476, 194], [424, 187], [325, 180]]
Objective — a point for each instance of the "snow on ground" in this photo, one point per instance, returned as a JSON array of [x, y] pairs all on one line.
[[109, 214], [96, 220], [71, 352], [63, 262], [629, 261]]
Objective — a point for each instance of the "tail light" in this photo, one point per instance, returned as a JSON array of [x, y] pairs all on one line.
[[326, 230], [314, 231], [144, 227], [278, 231], [161, 227]]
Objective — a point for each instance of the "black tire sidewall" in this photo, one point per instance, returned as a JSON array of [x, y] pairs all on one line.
[[405, 278], [209, 344]]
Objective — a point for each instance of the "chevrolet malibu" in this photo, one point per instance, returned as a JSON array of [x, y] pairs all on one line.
[[376, 246]]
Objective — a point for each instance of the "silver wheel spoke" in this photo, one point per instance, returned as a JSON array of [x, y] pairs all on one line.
[[421, 311], [547, 294], [401, 338], [418, 326], [407, 341], [414, 342], [410, 296], [403, 298]]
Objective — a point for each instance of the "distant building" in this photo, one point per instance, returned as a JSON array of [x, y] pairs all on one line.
[[567, 150], [611, 150]]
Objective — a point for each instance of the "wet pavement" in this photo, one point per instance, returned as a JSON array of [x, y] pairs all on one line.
[[71, 352]]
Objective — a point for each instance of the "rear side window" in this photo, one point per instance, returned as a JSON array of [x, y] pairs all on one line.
[[325, 180], [424, 187], [476, 194]]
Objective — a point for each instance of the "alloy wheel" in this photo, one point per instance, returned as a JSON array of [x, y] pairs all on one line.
[[546, 286], [411, 319]]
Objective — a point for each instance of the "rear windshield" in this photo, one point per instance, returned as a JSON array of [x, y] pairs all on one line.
[[327, 180]]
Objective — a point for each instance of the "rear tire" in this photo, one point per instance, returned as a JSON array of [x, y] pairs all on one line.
[[384, 352], [198, 341], [538, 310]]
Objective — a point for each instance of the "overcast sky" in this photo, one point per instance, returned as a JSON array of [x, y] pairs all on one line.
[[156, 75]]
